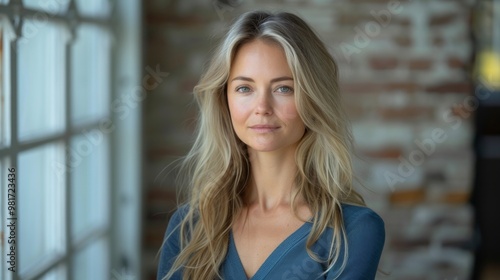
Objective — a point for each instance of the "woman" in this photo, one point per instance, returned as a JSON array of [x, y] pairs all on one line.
[[270, 170]]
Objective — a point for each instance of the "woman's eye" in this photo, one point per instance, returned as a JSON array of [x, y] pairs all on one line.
[[285, 89], [243, 89]]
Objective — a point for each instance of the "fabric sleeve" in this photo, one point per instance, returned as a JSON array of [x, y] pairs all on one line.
[[366, 237], [171, 247]]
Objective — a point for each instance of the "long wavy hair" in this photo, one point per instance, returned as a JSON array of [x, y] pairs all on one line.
[[217, 165]]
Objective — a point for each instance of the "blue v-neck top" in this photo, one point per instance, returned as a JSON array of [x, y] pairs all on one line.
[[290, 260]]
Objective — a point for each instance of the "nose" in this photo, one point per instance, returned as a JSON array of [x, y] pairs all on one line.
[[264, 104]]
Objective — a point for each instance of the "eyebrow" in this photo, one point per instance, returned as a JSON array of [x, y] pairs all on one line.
[[279, 79]]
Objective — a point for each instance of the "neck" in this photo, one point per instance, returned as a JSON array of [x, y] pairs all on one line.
[[272, 180]]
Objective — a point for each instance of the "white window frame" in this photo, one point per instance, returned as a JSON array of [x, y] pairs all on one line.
[[123, 233]]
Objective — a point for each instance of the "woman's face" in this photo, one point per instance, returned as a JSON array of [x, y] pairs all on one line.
[[261, 98]]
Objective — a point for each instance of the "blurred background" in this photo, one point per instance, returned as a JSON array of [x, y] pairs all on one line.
[[95, 106]]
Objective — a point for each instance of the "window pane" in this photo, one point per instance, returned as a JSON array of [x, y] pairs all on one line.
[[92, 262], [96, 8], [49, 6], [41, 56], [90, 198], [41, 213], [90, 59], [58, 273]]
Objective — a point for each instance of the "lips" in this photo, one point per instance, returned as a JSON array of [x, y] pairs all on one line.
[[264, 128]]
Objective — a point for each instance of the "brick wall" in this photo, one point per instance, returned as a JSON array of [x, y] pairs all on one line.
[[405, 75]]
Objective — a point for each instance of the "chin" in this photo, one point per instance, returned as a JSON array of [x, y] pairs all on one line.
[[268, 148], [261, 149]]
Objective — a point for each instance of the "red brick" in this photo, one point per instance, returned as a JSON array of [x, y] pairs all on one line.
[[404, 22], [355, 112], [403, 41], [166, 18], [362, 87], [456, 197], [163, 152], [407, 197], [383, 63], [461, 111], [385, 153], [455, 62], [452, 87], [403, 86], [357, 19], [420, 64], [353, 19], [402, 244], [406, 113], [160, 194], [153, 236], [188, 85], [438, 41], [370, 2], [442, 19]]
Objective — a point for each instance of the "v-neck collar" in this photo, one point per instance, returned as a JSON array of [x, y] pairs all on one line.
[[272, 259]]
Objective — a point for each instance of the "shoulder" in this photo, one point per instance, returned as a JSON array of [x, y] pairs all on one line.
[[364, 229], [360, 217], [174, 223], [365, 232], [171, 243], [179, 214]]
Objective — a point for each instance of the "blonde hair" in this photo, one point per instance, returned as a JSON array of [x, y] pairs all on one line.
[[217, 165]]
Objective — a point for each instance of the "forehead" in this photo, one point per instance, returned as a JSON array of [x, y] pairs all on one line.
[[260, 58]]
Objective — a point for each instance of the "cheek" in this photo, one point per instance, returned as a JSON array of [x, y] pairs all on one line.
[[291, 115], [237, 111], [290, 111]]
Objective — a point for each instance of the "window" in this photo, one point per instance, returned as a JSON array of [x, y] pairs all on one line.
[[59, 60]]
